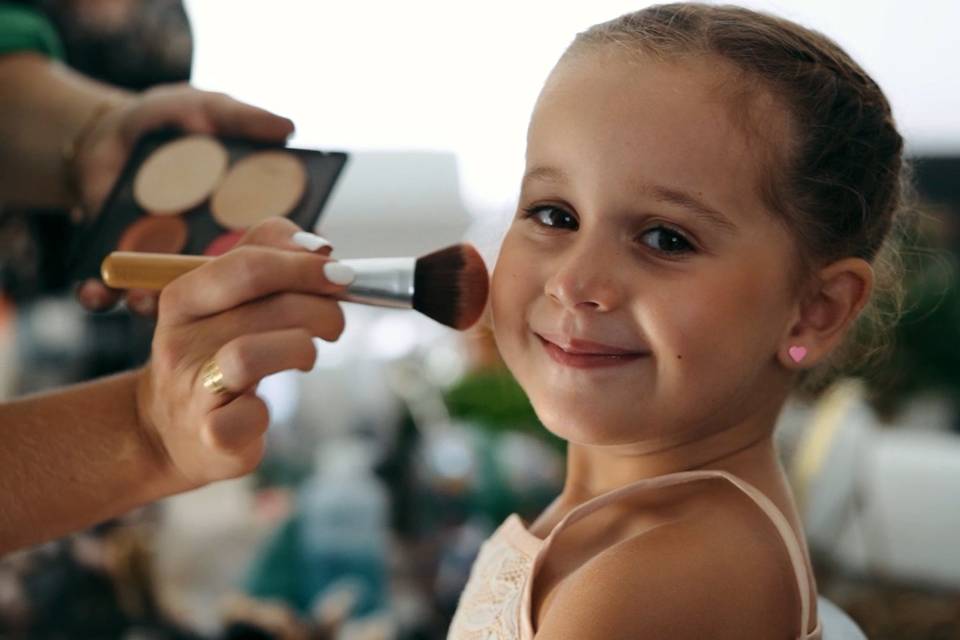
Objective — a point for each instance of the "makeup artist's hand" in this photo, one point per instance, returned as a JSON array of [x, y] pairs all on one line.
[[105, 149], [254, 310]]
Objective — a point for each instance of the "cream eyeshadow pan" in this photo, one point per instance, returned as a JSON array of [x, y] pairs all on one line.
[[261, 185], [180, 175]]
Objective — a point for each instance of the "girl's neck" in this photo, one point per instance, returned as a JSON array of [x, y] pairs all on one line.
[[746, 449]]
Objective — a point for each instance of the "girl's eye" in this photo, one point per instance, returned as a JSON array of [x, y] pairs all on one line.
[[667, 241], [551, 216]]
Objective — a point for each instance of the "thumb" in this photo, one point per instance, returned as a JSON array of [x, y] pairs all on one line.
[[232, 117]]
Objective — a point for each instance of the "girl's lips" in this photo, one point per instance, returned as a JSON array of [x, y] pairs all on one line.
[[588, 355]]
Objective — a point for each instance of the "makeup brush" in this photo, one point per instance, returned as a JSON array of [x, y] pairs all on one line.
[[449, 285]]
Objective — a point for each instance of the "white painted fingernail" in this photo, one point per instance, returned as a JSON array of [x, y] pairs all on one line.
[[310, 241], [338, 273]]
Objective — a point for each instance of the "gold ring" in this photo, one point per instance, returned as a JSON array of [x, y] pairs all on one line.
[[212, 377]]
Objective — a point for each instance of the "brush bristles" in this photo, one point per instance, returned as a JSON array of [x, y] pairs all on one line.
[[451, 285]]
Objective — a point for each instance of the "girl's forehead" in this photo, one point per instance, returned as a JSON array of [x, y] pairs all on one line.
[[618, 119], [636, 100]]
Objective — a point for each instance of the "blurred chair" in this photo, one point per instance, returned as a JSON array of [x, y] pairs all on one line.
[[879, 500]]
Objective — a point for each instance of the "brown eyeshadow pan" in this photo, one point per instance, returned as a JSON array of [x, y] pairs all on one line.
[[259, 186], [166, 234], [180, 175]]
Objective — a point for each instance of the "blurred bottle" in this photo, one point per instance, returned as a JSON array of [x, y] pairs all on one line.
[[343, 514]]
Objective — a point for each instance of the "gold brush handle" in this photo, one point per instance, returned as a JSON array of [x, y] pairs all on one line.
[[136, 270]]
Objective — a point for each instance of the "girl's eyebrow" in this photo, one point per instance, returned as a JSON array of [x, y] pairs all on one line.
[[547, 174], [688, 202], [659, 193]]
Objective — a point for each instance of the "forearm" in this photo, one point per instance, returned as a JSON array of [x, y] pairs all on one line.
[[75, 457], [45, 107]]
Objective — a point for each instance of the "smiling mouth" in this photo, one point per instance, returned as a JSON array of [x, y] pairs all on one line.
[[583, 355]]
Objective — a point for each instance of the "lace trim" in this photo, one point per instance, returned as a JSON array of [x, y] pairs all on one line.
[[489, 607]]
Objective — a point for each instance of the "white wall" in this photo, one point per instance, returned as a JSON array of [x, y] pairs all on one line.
[[462, 77]]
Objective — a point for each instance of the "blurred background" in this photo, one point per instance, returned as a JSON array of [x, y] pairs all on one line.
[[398, 454]]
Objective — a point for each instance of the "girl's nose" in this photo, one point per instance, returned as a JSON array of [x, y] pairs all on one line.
[[585, 281]]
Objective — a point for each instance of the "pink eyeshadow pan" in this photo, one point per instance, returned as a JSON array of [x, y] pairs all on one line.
[[223, 243]]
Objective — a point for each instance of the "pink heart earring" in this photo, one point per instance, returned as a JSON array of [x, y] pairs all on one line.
[[797, 352]]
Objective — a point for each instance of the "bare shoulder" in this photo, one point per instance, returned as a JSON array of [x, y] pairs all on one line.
[[717, 571]]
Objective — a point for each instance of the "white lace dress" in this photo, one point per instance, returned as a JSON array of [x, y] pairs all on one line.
[[496, 603], [490, 606]]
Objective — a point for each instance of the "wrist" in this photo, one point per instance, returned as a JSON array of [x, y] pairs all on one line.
[[169, 479], [76, 148]]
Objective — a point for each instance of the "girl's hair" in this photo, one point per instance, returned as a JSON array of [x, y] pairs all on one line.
[[840, 183]]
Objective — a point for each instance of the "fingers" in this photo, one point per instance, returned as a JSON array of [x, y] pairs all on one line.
[[96, 296], [320, 316], [237, 429], [248, 273], [178, 105], [282, 233], [203, 112], [246, 360], [231, 117], [235, 425]]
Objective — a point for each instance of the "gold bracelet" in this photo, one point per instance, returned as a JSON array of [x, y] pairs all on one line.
[[71, 149]]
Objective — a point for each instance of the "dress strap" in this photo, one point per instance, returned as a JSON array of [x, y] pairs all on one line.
[[794, 550]]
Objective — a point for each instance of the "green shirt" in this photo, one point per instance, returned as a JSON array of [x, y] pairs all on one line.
[[26, 29]]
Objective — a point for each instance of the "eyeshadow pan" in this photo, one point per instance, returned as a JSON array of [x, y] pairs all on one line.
[[223, 243], [180, 175], [171, 174], [259, 186], [166, 234]]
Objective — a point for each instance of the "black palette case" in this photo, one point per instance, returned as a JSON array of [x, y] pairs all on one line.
[[120, 210]]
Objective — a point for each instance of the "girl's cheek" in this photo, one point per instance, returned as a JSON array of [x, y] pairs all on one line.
[[499, 294]]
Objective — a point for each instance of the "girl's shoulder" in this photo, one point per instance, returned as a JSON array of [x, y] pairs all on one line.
[[711, 565]]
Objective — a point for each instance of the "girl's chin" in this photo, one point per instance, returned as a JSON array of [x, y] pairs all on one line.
[[595, 429]]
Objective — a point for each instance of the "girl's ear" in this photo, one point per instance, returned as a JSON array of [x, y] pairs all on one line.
[[827, 312]]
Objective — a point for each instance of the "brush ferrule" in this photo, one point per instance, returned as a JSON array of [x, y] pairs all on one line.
[[383, 282]]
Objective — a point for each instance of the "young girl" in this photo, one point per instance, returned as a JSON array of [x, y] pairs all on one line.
[[703, 219], [707, 193]]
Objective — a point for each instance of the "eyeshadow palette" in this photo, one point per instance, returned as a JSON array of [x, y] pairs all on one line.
[[197, 194]]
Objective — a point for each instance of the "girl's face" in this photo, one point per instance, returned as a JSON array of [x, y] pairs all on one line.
[[641, 238]]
